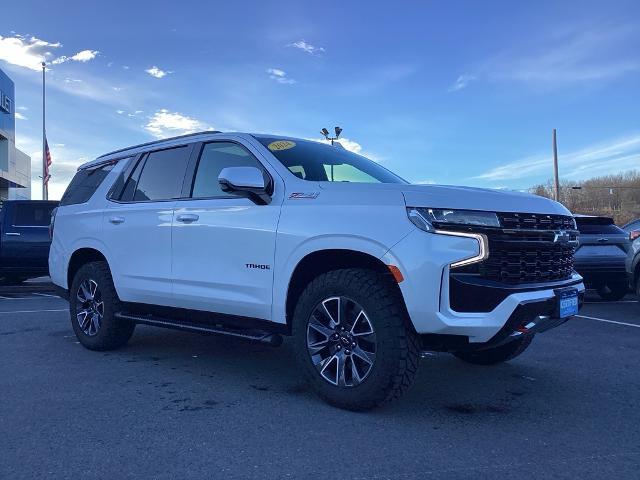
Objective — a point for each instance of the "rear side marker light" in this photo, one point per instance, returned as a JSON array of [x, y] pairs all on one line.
[[397, 274]]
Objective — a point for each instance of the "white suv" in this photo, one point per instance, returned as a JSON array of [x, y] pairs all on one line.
[[259, 236]]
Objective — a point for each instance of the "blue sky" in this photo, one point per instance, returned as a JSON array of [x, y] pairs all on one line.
[[447, 92]]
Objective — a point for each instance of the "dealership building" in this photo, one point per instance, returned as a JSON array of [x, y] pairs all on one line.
[[15, 166]]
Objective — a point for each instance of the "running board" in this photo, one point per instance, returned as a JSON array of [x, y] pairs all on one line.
[[260, 336]]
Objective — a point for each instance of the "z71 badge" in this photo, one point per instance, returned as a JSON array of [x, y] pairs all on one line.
[[301, 195]]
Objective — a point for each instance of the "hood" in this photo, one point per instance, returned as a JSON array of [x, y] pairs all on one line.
[[469, 198]]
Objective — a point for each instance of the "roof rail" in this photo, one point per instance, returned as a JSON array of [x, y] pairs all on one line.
[[157, 141]]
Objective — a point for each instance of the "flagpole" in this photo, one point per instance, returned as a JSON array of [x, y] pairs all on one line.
[[44, 153]]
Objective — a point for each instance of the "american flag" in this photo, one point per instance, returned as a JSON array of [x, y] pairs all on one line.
[[47, 154]]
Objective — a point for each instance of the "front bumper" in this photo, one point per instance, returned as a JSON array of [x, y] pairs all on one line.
[[424, 260], [595, 273]]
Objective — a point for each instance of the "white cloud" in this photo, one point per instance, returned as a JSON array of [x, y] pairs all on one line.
[[597, 159], [24, 109], [462, 82], [82, 56], [164, 124], [157, 72], [25, 52], [85, 55], [119, 112], [569, 57], [126, 67], [20, 116], [306, 47], [280, 76]]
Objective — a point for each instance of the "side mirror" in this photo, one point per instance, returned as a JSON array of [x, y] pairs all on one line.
[[246, 181]]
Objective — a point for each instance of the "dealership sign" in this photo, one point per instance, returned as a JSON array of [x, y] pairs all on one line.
[[5, 102]]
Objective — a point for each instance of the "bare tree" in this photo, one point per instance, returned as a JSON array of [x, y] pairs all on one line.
[[616, 196]]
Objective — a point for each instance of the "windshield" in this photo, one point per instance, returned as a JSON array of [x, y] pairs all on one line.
[[318, 162]]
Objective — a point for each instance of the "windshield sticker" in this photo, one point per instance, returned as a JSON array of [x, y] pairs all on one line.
[[281, 145]]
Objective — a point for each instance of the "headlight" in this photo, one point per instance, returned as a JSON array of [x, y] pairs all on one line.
[[424, 218]]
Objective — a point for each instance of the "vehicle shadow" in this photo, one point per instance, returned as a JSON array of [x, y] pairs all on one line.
[[446, 387]]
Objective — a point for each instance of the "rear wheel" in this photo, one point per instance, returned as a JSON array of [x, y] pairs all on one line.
[[353, 339], [93, 304], [491, 356], [613, 291]]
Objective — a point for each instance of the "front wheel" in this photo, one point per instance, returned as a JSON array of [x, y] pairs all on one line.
[[93, 303], [353, 339], [491, 356]]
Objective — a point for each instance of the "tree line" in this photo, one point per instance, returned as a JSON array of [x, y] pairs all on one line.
[[616, 196]]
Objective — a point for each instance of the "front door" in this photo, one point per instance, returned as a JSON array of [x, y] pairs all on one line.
[[223, 244]]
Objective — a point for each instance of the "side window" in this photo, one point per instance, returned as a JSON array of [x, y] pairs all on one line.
[[214, 157], [84, 184], [162, 174], [132, 182], [32, 215]]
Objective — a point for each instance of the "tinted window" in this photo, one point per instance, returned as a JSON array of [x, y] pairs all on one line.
[[215, 157], [132, 183], [162, 174], [32, 214], [320, 162], [597, 225], [632, 226], [84, 185]]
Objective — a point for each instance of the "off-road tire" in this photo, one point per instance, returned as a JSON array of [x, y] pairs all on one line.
[[397, 344], [613, 292], [113, 332], [491, 356]]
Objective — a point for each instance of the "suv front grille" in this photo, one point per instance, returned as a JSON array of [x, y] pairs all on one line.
[[534, 221], [518, 260], [524, 250]]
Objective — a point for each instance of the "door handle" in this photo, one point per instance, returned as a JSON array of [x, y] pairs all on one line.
[[13, 234], [116, 220], [187, 217]]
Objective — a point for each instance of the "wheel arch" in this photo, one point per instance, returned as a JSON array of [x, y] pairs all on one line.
[[325, 260], [81, 257]]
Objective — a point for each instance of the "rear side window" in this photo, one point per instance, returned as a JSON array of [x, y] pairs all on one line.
[[84, 185], [216, 156], [32, 215], [597, 225], [632, 226], [162, 175]]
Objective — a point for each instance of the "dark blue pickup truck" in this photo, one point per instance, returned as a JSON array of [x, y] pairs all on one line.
[[24, 239]]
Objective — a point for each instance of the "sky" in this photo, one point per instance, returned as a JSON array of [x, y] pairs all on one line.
[[459, 92]]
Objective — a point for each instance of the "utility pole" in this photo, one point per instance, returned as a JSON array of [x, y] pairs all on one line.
[[556, 180], [44, 142]]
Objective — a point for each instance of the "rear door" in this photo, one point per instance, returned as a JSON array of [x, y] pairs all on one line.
[[224, 244], [137, 226], [25, 238]]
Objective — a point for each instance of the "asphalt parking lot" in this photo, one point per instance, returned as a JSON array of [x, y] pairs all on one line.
[[178, 405]]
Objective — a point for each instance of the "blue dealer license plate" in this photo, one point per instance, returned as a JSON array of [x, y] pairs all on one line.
[[568, 300]]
